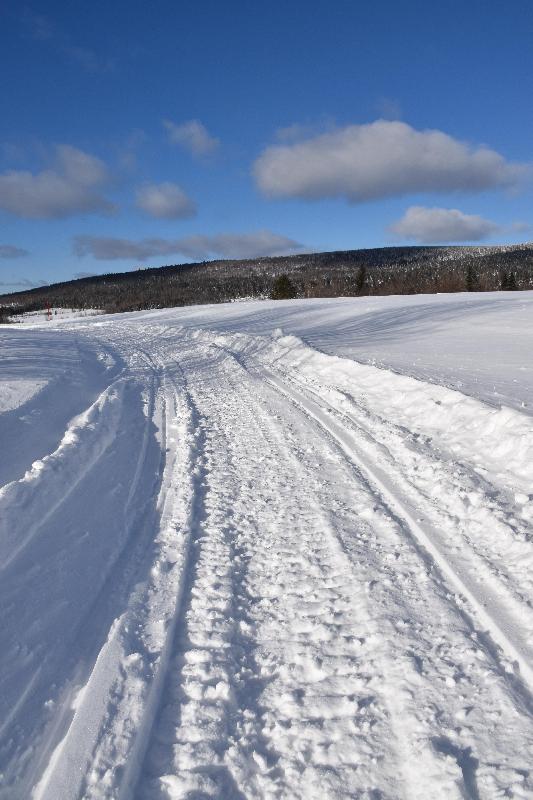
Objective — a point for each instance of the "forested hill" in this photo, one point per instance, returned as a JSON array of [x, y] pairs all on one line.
[[380, 271]]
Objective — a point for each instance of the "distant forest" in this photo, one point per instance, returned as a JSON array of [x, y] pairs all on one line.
[[380, 271]]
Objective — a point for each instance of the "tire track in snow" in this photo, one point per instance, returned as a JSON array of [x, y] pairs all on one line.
[[473, 512], [204, 686], [325, 691], [505, 630], [431, 761], [475, 522], [493, 764], [292, 758], [148, 628], [275, 642], [114, 709]]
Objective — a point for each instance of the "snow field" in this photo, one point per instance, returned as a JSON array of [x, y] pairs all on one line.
[[16, 393], [288, 575], [56, 315], [479, 344]]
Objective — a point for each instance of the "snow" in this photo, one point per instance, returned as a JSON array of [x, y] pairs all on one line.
[[269, 549], [477, 343], [55, 314], [17, 393]]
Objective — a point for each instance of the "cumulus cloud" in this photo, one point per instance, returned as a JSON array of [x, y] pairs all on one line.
[[73, 185], [193, 136], [380, 159], [10, 251], [165, 201], [198, 248], [430, 225]]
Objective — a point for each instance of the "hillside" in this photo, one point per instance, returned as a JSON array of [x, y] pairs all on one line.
[[380, 271]]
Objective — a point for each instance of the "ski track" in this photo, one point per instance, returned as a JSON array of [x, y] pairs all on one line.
[[307, 600], [479, 568]]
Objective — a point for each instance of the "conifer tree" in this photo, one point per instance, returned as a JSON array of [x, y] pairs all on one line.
[[283, 289], [511, 283], [360, 280], [472, 283]]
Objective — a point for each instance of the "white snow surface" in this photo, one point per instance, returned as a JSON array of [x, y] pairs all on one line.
[[53, 314], [269, 550], [16, 393]]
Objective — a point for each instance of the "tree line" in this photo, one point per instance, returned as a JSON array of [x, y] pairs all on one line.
[[379, 271]]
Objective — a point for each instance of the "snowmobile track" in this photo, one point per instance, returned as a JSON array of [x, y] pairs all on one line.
[[487, 615]]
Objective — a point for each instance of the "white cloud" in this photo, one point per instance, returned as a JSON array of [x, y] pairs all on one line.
[[165, 200], [10, 251], [193, 136], [71, 187], [199, 247], [438, 225], [380, 159]]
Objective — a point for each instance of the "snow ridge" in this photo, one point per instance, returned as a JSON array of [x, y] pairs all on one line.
[[85, 441]]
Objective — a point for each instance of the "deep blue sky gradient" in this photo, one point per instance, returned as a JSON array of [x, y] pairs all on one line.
[[102, 76]]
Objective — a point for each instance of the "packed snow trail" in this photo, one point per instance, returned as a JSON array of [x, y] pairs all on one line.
[[272, 573]]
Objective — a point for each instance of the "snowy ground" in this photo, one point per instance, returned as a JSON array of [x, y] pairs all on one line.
[[269, 550], [54, 315]]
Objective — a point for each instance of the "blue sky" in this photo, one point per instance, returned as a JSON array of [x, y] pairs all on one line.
[[156, 133]]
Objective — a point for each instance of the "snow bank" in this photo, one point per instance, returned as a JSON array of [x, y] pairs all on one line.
[[478, 343], [86, 438], [497, 441]]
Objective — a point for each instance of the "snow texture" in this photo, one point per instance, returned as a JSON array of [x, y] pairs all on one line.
[[17, 392], [269, 550]]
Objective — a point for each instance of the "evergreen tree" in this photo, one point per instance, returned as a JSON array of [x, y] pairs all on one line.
[[508, 282], [360, 280], [472, 283], [283, 289], [511, 283]]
